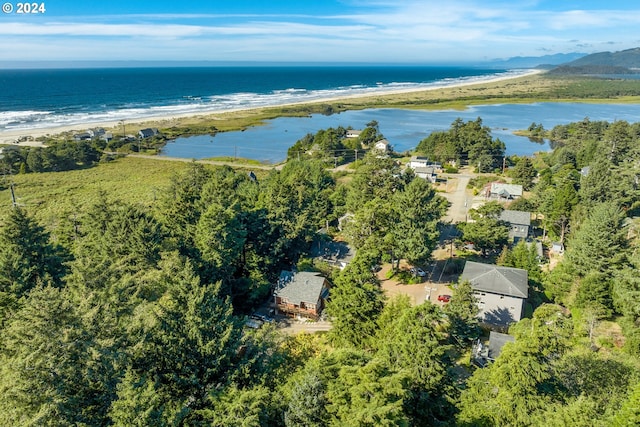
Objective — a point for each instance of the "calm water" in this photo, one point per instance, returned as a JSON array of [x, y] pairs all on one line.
[[47, 98], [403, 128]]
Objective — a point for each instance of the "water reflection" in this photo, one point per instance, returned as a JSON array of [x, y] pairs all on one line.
[[403, 128]]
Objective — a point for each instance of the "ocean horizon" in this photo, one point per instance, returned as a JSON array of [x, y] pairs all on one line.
[[47, 98]]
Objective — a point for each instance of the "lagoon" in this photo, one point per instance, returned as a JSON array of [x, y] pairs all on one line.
[[403, 128]]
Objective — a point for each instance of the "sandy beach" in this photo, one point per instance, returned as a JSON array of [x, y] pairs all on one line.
[[29, 137]]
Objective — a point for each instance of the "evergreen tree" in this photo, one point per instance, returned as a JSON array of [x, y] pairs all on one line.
[[415, 343], [189, 342], [462, 312], [417, 209], [49, 365], [27, 258], [487, 232], [355, 304], [524, 173], [308, 403], [629, 413], [371, 395], [220, 238], [599, 245], [234, 407], [180, 206]]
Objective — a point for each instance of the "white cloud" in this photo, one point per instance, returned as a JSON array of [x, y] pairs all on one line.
[[378, 31]]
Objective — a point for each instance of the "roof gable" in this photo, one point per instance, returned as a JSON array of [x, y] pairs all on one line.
[[496, 279]]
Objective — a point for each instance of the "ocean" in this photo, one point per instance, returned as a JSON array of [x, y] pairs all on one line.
[[43, 98]]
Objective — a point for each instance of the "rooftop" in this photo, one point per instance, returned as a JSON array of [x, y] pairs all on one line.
[[496, 342], [516, 217], [496, 279], [506, 189], [297, 287]]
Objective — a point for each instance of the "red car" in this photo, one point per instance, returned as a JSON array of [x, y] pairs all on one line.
[[444, 298]]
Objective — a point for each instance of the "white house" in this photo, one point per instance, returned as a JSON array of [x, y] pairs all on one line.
[[148, 133], [425, 169], [353, 133], [382, 145], [418, 162], [428, 173], [501, 292]]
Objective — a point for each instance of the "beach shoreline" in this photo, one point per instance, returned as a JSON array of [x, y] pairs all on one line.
[[30, 137]]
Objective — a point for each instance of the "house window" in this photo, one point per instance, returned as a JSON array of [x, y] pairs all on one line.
[[311, 306]]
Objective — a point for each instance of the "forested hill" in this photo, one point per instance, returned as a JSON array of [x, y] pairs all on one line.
[[622, 62]]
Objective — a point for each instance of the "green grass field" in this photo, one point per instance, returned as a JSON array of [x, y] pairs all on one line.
[[49, 195]]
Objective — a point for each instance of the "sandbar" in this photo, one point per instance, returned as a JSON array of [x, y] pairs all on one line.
[[392, 97]]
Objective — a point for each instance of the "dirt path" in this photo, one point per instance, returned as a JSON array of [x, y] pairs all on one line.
[[206, 162], [460, 199]]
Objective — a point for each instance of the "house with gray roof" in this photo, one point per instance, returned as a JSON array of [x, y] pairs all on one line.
[[148, 133], [483, 353], [503, 191], [519, 223], [500, 291], [301, 294], [428, 173]]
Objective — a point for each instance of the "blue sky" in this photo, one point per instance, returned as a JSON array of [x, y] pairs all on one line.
[[371, 31]]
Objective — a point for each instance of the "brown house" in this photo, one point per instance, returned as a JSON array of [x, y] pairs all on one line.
[[301, 293]]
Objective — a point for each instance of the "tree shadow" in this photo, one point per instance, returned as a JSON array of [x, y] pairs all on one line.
[[498, 317]]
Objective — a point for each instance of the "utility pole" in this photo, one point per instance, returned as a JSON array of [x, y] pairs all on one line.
[[504, 163], [13, 196]]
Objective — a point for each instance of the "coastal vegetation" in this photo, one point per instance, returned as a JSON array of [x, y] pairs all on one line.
[[124, 291], [125, 282], [469, 142]]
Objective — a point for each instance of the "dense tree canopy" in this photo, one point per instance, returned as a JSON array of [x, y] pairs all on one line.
[[469, 142], [137, 314]]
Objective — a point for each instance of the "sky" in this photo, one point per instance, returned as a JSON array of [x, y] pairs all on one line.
[[354, 31]]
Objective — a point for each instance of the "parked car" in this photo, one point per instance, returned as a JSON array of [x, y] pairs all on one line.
[[261, 317], [417, 271], [444, 298]]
